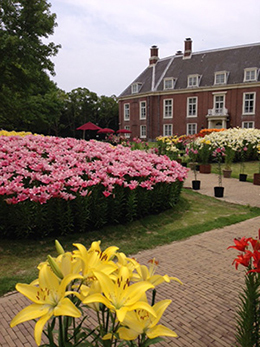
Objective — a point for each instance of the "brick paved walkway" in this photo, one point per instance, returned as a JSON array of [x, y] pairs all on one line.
[[203, 309]]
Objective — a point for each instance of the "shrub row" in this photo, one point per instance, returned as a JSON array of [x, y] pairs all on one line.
[[29, 219]]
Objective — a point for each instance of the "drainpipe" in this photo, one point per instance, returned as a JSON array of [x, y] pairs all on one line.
[[158, 115], [148, 118]]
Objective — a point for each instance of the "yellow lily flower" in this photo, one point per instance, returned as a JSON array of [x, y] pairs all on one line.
[[65, 264], [95, 260], [148, 274], [68, 264], [107, 254], [49, 299], [140, 321], [119, 296], [130, 263]]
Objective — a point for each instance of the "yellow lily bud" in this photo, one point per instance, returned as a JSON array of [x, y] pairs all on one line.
[[59, 247], [55, 268]]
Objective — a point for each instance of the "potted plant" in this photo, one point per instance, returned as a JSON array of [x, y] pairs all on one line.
[[256, 180], [204, 155], [192, 153], [218, 155], [228, 159], [242, 175], [173, 152]]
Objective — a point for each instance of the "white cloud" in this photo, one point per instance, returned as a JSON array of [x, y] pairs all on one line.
[[105, 44]]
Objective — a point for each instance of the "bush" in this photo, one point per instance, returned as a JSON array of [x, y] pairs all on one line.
[[54, 186]]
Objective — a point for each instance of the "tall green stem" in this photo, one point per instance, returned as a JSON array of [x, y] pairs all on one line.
[[61, 336], [248, 313]]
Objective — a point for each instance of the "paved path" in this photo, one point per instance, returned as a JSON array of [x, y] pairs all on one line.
[[203, 308], [244, 193]]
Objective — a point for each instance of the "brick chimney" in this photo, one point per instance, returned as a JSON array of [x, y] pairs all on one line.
[[187, 48], [154, 55]]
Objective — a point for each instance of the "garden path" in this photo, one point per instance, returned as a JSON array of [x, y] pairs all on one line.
[[244, 193], [203, 308]]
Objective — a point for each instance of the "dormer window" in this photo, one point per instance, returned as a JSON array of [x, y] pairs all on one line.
[[250, 74], [193, 81], [136, 87], [221, 77], [169, 83]]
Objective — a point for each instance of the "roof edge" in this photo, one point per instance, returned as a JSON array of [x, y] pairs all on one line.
[[213, 50]]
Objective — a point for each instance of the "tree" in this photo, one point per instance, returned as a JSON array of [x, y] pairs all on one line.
[[25, 62], [108, 111], [81, 107]]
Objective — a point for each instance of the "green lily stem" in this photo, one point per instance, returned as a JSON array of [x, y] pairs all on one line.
[[107, 320], [61, 336], [100, 324], [153, 297], [114, 329]]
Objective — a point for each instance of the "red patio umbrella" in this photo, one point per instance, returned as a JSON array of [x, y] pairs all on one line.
[[106, 131], [88, 126], [123, 131]]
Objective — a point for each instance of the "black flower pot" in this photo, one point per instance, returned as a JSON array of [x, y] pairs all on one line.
[[219, 192], [196, 185], [242, 177]]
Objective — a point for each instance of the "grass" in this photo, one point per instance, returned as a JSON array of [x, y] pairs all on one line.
[[251, 167], [194, 214]]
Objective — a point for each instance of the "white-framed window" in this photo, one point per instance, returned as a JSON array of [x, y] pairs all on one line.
[[219, 104], [220, 77], [142, 109], [167, 130], [127, 127], [135, 87], [249, 103], [126, 111], [167, 108], [248, 125], [142, 131], [192, 106], [191, 128], [168, 83], [250, 74], [193, 81]]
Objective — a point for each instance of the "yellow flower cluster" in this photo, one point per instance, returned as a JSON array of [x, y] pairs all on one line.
[[14, 133], [108, 282], [168, 139]]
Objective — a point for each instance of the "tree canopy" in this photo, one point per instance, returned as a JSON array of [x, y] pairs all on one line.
[[25, 60], [29, 100], [82, 106]]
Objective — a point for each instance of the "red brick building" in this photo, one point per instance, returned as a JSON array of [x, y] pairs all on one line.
[[189, 91]]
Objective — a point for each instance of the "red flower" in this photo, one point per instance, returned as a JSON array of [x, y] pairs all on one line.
[[241, 244], [243, 259], [256, 261], [255, 244]]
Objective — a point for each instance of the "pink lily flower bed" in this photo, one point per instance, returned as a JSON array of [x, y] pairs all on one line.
[[39, 170]]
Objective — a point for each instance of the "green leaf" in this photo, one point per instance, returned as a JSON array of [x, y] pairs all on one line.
[[150, 342]]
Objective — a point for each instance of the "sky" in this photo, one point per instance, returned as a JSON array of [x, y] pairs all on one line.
[[106, 43]]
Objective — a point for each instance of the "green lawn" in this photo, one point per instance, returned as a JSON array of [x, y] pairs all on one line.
[[194, 214]]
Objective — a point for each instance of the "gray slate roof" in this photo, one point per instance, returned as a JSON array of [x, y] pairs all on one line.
[[233, 60]]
